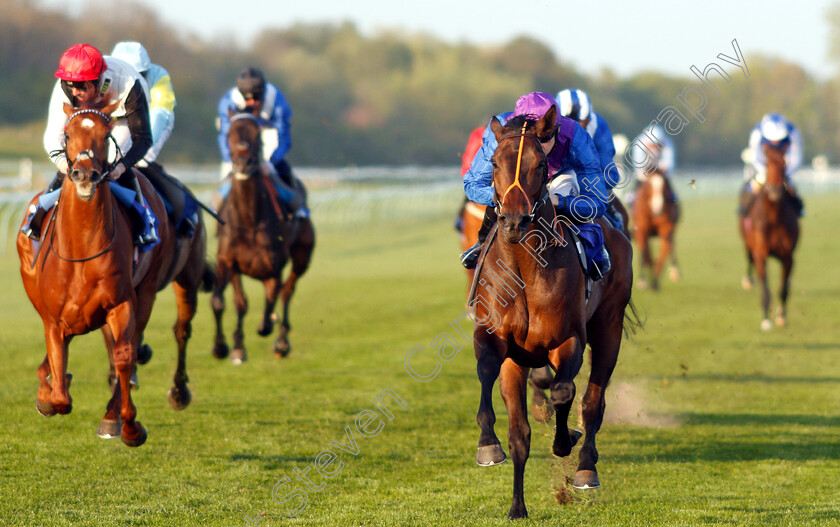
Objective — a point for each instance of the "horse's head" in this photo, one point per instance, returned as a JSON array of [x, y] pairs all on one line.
[[245, 143], [775, 162], [520, 170], [86, 147]]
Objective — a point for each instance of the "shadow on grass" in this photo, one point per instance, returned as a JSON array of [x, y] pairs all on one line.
[[271, 462], [769, 420]]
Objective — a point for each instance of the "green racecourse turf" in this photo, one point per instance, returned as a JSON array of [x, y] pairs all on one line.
[[717, 423]]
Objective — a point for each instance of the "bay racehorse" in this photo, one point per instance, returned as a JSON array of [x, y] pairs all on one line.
[[534, 306], [257, 239], [770, 228], [655, 214], [83, 275]]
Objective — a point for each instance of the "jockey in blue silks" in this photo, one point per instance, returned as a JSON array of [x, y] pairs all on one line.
[[575, 104], [254, 95], [571, 151]]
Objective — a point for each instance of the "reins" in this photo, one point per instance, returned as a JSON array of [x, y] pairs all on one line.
[[87, 258]]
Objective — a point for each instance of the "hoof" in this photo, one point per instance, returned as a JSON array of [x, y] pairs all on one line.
[[264, 329], [746, 283], [221, 351], [516, 513], [542, 413], [282, 348], [781, 322], [575, 435], [490, 455], [238, 356], [109, 429], [674, 274], [179, 398], [766, 325], [144, 354], [586, 479], [139, 439], [44, 408]]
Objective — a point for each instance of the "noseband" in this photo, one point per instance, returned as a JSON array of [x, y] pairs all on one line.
[[516, 183]]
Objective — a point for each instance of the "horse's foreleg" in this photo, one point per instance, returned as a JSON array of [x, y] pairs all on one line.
[[489, 364], [42, 403], [186, 299], [512, 381], [787, 267], [58, 398], [747, 282], [109, 426], [665, 251], [122, 323], [567, 360], [761, 272], [540, 380], [272, 292], [240, 300], [647, 261], [223, 273]]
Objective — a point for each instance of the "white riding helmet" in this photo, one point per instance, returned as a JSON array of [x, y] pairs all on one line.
[[574, 104], [134, 53], [773, 127]]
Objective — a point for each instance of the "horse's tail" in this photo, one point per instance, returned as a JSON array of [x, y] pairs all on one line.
[[208, 277], [632, 320]]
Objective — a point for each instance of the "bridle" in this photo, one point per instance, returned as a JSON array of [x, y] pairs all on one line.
[[102, 168], [522, 134]]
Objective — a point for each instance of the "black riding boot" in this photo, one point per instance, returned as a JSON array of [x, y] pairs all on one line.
[[469, 258], [138, 219], [37, 221]]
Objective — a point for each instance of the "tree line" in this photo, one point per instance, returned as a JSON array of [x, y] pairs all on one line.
[[390, 98]]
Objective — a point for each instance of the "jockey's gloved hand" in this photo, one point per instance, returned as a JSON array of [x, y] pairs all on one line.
[[117, 171], [62, 165]]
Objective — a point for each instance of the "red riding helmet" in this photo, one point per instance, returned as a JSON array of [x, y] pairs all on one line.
[[82, 62]]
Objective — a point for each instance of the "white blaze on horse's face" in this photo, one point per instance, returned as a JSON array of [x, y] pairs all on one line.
[[87, 123]]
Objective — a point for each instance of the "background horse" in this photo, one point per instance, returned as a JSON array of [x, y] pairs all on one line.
[[770, 227], [655, 213], [257, 239], [533, 307], [83, 276], [471, 217]]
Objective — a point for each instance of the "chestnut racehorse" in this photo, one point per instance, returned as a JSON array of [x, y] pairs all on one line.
[[535, 306], [770, 228], [83, 276], [655, 213], [257, 239]]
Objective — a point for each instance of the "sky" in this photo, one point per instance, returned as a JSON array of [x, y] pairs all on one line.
[[668, 36]]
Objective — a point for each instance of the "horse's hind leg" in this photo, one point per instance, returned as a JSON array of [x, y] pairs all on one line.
[[540, 380], [186, 298], [489, 364], [604, 332], [568, 358], [512, 381], [300, 254], [787, 267]]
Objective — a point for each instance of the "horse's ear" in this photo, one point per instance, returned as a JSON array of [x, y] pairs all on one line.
[[497, 127], [68, 109], [546, 124], [108, 110]]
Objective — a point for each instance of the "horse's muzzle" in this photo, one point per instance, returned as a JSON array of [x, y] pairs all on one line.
[[513, 226]]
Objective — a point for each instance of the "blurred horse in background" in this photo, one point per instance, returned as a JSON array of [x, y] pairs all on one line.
[[257, 239], [770, 228], [83, 275], [655, 214]]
